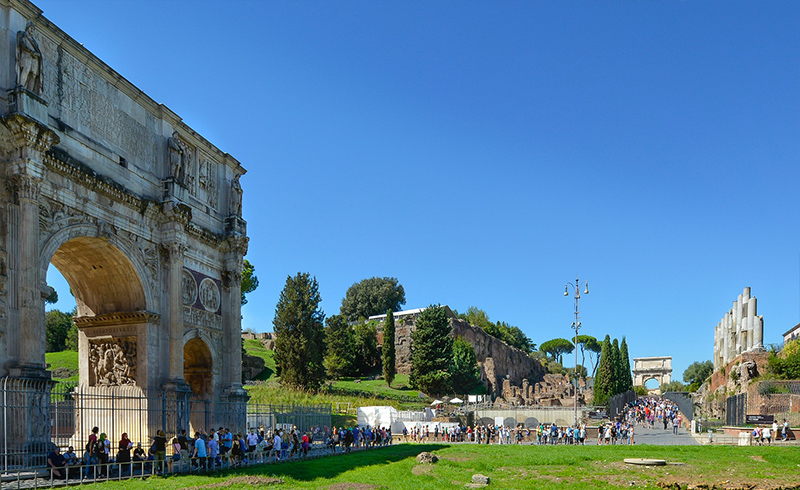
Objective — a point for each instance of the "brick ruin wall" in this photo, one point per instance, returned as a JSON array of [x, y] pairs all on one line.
[[498, 361]]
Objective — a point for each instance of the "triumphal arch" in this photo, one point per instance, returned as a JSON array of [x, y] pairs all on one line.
[[646, 368], [140, 214]]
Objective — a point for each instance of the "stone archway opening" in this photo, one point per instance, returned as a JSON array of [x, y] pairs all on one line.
[[198, 368], [110, 311], [102, 279], [652, 384]]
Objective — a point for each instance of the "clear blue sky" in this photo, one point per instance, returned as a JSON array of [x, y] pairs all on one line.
[[485, 152]]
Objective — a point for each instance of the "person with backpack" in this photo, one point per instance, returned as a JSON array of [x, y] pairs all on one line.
[[101, 455]]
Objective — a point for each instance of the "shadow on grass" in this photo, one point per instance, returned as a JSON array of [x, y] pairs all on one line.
[[265, 374], [334, 465]]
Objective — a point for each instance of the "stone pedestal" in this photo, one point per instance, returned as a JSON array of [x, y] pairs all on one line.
[[236, 399], [25, 102], [27, 410], [177, 406]]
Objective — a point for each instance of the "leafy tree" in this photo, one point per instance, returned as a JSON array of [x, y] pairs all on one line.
[[511, 335], [340, 356], [625, 365], [372, 296], [697, 373], [387, 352], [52, 298], [587, 343], [72, 338], [605, 371], [466, 375], [299, 335], [672, 386], [249, 279], [557, 348], [786, 364], [366, 347], [432, 352], [57, 327]]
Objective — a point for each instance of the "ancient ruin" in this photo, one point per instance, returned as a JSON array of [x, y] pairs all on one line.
[[740, 330], [647, 368], [140, 214], [498, 361]]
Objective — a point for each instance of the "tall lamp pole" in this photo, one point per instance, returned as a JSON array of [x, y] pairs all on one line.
[[576, 325]]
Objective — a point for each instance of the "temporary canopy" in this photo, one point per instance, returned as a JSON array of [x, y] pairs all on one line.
[[376, 416], [456, 400], [437, 402]]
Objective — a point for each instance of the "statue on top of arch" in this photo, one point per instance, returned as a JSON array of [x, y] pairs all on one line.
[[29, 61]]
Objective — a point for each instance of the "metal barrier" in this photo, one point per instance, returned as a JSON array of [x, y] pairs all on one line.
[[617, 403], [38, 415], [685, 403], [735, 410]]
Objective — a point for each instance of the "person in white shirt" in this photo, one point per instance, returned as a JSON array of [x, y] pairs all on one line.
[[276, 447]]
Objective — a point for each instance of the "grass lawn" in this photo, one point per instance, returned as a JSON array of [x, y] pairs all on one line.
[[518, 467], [63, 365], [256, 348]]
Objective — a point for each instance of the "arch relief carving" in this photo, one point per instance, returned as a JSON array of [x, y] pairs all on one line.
[[112, 362], [209, 295]]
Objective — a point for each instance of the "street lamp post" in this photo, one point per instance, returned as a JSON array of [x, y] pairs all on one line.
[[576, 325]]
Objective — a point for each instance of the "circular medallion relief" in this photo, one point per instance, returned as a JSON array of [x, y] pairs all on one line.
[[189, 288], [209, 295]]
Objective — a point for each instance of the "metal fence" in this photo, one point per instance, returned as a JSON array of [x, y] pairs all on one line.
[[684, 402], [736, 409], [617, 403], [38, 415]]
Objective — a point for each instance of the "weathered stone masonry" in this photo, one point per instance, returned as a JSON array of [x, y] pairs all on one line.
[[497, 360]]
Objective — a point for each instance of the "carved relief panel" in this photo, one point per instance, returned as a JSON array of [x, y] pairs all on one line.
[[202, 300], [112, 362]]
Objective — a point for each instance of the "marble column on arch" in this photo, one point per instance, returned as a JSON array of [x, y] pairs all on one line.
[[29, 141]]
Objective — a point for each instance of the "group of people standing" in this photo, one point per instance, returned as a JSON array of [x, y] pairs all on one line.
[[357, 437]]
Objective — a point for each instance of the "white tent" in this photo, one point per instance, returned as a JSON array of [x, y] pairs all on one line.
[[456, 401], [436, 402], [376, 416]]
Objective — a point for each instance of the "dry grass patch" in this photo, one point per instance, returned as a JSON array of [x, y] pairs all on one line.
[[251, 480]]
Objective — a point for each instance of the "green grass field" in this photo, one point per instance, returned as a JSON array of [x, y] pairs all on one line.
[[63, 365], [517, 467]]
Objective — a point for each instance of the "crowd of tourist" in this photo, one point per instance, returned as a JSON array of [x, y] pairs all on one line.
[[204, 451], [496, 434]]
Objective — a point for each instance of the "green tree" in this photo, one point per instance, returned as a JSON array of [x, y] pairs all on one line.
[[387, 352], [605, 372], [366, 347], [52, 298], [249, 279], [340, 356], [299, 334], [697, 373], [511, 335], [57, 327], [466, 375], [616, 361], [372, 296], [557, 348], [786, 364], [432, 352], [625, 372], [72, 338], [587, 343], [672, 386]]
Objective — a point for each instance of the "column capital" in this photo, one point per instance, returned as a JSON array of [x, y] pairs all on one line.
[[237, 244], [27, 187], [231, 278], [28, 133], [173, 251]]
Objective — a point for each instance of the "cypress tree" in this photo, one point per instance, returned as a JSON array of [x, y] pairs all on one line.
[[340, 356], [388, 354], [626, 366], [299, 335], [466, 375], [616, 362], [605, 374], [432, 352]]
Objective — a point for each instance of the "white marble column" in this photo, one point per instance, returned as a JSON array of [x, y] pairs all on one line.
[[174, 254]]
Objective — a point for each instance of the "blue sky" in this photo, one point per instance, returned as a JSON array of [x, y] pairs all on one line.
[[484, 153]]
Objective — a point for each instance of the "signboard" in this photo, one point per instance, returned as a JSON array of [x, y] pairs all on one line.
[[599, 415], [759, 419]]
